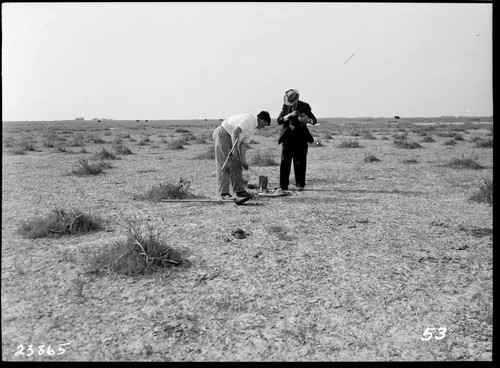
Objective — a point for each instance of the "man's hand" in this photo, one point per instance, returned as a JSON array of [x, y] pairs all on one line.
[[304, 119]]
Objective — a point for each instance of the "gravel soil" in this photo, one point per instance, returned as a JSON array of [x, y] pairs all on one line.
[[354, 268]]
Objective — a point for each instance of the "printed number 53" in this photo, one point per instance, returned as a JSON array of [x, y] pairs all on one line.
[[428, 334]]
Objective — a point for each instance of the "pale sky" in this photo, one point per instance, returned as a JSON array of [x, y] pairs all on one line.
[[212, 60]]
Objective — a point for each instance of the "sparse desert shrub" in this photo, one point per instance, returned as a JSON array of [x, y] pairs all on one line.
[[141, 252], [209, 154], [450, 142], [25, 144], [410, 161], [77, 141], [175, 144], [95, 138], [200, 140], [463, 162], [182, 130], [92, 168], [188, 137], [263, 159], [61, 222], [61, 148], [428, 139], [253, 142], [104, 154], [400, 136], [355, 134], [280, 232], [370, 158], [485, 193], [450, 135], [354, 143], [405, 143], [367, 135], [484, 143], [9, 141], [121, 149], [327, 136], [169, 191]]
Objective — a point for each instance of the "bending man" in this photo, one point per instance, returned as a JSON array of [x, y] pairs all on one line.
[[235, 131]]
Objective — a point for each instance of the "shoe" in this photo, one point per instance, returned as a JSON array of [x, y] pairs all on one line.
[[243, 194], [226, 196], [300, 189]]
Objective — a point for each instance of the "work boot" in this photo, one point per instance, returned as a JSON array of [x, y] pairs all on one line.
[[226, 196], [243, 194]]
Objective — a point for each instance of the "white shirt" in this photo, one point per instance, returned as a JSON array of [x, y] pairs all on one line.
[[247, 123]]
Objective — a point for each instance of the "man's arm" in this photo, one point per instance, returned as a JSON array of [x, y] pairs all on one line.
[[285, 119], [311, 119]]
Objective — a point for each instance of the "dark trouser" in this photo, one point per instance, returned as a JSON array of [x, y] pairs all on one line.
[[296, 152]]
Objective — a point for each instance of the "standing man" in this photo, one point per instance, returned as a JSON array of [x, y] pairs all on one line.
[[235, 131], [295, 136]]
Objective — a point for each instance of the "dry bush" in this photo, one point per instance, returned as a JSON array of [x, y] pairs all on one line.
[[140, 253], [168, 191], [463, 162], [354, 143], [484, 143], [485, 193], [370, 158], [405, 143], [92, 168], [209, 154], [175, 144], [263, 159], [428, 139], [61, 222], [104, 154]]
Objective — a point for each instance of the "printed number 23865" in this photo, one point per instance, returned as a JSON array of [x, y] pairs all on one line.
[[428, 333]]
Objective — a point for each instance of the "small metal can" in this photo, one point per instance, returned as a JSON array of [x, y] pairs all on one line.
[[263, 182]]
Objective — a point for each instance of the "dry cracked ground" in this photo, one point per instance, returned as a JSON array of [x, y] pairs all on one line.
[[383, 260]]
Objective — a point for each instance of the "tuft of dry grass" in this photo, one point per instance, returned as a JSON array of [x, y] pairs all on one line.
[[92, 168], [209, 154], [104, 154], [60, 222], [463, 162], [484, 143], [142, 252], [354, 143], [168, 191], [370, 158], [263, 159], [405, 143], [176, 144], [485, 193]]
